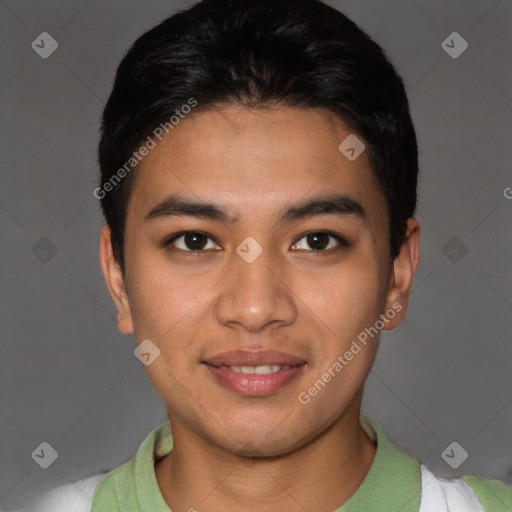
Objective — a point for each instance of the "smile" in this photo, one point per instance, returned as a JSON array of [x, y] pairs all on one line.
[[259, 370]]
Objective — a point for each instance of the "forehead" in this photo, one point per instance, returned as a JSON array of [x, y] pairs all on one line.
[[254, 161]]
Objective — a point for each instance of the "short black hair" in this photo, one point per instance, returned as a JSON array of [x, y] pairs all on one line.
[[257, 54]]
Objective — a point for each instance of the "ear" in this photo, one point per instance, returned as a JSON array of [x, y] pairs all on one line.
[[115, 282], [403, 269]]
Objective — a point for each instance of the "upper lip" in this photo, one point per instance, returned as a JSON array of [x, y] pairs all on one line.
[[254, 358]]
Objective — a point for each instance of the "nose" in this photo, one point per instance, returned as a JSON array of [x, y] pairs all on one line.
[[256, 296]]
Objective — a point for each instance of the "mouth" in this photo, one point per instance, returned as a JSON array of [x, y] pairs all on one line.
[[254, 372], [263, 369]]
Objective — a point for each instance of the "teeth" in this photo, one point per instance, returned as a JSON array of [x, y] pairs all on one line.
[[260, 370]]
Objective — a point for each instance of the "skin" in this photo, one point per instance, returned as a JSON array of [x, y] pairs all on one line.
[[234, 452]]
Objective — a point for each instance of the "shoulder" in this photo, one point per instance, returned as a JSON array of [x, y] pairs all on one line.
[[495, 495], [108, 487], [466, 494], [75, 497]]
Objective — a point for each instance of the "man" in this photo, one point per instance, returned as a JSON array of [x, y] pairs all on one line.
[[258, 179]]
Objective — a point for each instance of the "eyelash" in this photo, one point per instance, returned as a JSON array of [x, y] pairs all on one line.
[[342, 242]]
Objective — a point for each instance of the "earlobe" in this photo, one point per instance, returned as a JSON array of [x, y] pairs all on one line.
[[115, 282], [403, 270]]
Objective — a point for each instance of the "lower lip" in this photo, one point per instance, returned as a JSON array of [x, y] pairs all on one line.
[[252, 384]]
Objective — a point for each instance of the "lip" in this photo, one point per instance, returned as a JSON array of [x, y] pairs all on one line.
[[254, 358], [253, 384]]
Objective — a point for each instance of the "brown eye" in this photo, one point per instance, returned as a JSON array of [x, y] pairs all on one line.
[[320, 241], [195, 241], [190, 241]]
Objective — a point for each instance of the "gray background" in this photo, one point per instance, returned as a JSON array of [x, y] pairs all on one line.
[[69, 378]]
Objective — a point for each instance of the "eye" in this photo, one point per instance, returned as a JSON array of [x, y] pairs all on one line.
[[319, 241], [190, 241]]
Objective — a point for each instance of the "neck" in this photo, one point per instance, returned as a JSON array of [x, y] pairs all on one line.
[[320, 476]]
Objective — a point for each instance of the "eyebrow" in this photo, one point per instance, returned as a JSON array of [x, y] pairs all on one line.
[[176, 205]]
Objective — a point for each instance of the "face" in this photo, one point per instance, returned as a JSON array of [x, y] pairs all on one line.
[[265, 287]]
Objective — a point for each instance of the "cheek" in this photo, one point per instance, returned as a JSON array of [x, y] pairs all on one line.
[[161, 297], [346, 299], [166, 309]]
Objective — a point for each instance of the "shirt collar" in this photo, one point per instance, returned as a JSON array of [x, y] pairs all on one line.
[[393, 481]]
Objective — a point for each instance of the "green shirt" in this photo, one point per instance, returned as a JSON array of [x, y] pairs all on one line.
[[392, 484]]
